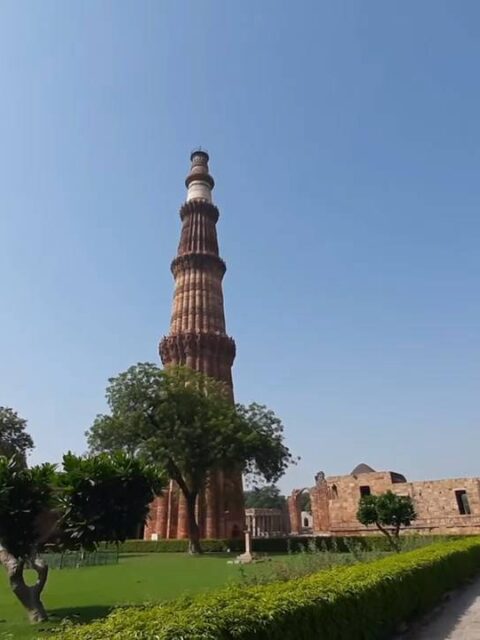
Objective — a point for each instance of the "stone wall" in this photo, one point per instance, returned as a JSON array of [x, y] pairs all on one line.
[[335, 503]]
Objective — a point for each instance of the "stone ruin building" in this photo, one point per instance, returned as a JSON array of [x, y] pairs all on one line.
[[442, 506], [198, 339]]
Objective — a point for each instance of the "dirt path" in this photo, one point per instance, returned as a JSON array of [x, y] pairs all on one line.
[[459, 619]]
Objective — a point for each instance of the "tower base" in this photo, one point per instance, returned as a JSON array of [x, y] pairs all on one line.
[[220, 511]]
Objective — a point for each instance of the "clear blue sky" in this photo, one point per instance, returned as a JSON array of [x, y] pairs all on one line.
[[345, 142]]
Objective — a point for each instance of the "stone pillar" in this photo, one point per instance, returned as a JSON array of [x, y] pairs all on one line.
[[172, 510], [182, 526], [211, 529], [294, 512], [248, 543], [320, 504], [222, 516], [161, 520]]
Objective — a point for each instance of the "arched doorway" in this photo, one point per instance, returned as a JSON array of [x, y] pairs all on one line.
[[300, 511]]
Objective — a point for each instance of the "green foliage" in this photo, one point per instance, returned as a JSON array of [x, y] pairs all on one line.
[[92, 499], [79, 595], [310, 559], [178, 546], [295, 544], [186, 422], [25, 496], [324, 605], [104, 497], [263, 450], [100, 498], [267, 497], [305, 502], [14, 440], [387, 511]]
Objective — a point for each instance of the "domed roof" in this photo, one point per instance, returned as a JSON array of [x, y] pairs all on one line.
[[362, 468]]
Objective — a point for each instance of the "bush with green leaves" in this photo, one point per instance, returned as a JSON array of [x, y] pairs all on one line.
[[26, 499], [293, 544], [92, 499], [173, 545], [389, 512], [104, 497], [360, 601]]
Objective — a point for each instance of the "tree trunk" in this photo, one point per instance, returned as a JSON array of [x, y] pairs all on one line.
[[29, 596], [386, 532], [396, 534], [193, 528]]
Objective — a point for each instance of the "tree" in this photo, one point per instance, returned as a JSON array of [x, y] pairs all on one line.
[[104, 497], [389, 512], [267, 497], [25, 496], [305, 502], [89, 501], [186, 422], [14, 440]]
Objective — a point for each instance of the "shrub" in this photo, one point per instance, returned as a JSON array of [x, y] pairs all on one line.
[[310, 559], [361, 601], [177, 546], [294, 544]]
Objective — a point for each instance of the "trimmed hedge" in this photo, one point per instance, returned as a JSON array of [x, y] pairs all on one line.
[[365, 601], [342, 544], [177, 546]]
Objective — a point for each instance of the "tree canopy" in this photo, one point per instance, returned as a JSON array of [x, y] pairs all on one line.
[[187, 423], [305, 502], [104, 497], [266, 497], [14, 440], [90, 500], [388, 511]]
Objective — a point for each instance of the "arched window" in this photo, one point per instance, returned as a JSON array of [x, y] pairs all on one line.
[[305, 523], [334, 491]]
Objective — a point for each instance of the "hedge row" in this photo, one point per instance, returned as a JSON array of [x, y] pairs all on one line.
[[341, 544], [177, 546], [364, 601], [293, 544]]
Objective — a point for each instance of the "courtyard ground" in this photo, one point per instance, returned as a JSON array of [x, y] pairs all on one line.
[[90, 592], [457, 619]]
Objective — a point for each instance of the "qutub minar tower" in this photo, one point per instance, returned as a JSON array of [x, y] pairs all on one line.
[[198, 339]]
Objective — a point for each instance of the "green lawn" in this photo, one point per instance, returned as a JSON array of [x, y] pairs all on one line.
[[90, 592]]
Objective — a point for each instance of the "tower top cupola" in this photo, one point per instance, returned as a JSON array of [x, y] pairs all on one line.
[[199, 182]]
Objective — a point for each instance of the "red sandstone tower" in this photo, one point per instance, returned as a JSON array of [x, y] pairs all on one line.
[[198, 339]]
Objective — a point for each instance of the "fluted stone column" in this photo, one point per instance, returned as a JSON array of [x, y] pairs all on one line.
[[161, 516], [198, 339]]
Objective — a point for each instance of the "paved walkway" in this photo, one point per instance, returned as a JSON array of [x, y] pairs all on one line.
[[459, 619]]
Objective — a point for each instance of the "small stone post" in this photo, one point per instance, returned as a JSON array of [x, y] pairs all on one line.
[[248, 543], [247, 557]]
